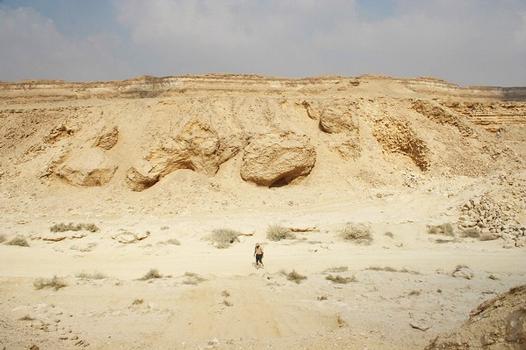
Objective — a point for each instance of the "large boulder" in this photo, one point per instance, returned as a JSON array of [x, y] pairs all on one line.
[[277, 159], [89, 167], [197, 147], [337, 120]]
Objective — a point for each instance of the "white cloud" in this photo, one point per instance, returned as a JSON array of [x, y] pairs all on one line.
[[33, 48], [469, 41]]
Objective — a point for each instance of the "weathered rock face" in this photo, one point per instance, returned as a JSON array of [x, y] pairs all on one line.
[[88, 167], [108, 139], [499, 323], [277, 159], [396, 136], [337, 120], [197, 147]]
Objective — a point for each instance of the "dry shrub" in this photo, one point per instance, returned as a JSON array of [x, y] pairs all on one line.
[[227, 303], [26, 318], [172, 241], [357, 233], [150, 275], [445, 229], [414, 292], [56, 283], [294, 276], [138, 302], [277, 233], [340, 280], [224, 238], [389, 234], [336, 269], [193, 278], [62, 227], [392, 269], [18, 241], [2, 238], [91, 276]]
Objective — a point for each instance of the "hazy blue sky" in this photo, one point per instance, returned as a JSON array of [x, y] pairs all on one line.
[[463, 41]]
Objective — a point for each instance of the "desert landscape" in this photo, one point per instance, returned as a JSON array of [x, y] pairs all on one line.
[[392, 214]]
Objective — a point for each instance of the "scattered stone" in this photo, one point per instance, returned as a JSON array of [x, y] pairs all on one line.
[[127, 237], [463, 271]]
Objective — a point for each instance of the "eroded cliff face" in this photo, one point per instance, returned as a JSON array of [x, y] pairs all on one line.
[[130, 135]]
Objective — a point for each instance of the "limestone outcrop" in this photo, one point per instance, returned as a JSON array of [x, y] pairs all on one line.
[[197, 147], [277, 159], [89, 167]]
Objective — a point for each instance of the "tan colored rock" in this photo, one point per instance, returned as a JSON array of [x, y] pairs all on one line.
[[277, 159], [107, 140], [127, 237], [337, 120], [90, 167], [197, 147], [498, 323]]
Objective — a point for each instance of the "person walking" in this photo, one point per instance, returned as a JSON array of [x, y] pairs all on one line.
[[258, 253]]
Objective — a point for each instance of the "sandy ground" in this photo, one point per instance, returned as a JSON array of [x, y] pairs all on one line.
[[264, 309]]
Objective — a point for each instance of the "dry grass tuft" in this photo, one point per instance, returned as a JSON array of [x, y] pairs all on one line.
[[18, 241], [294, 276], [56, 283], [277, 233], [389, 234], [357, 233], [336, 269], [150, 275], [392, 269], [171, 241], [26, 318], [62, 227], [443, 229], [138, 302], [224, 238], [340, 280], [192, 278], [414, 293], [91, 276]]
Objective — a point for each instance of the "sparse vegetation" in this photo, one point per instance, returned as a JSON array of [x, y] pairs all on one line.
[[277, 233], [56, 283], [172, 241], [150, 275], [2, 238], [227, 303], [138, 302], [224, 238], [445, 229], [336, 269], [193, 278], [91, 276], [340, 321], [26, 318], [357, 233], [414, 293], [389, 234], [294, 276], [340, 279], [392, 269], [225, 293], [18, 241], [62, 227]]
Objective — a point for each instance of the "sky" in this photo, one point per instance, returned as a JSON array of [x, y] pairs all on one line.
[[468, 42]]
